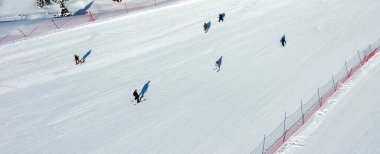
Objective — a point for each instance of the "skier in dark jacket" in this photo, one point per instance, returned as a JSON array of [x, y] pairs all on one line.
[[221, 17], [283, 41], [137, 97], [77, 61], [205, 27]]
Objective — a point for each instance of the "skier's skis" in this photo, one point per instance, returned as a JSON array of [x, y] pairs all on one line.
[[138, 102]]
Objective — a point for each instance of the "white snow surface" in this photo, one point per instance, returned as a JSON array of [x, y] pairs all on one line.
[[350, 121], [50, 105]]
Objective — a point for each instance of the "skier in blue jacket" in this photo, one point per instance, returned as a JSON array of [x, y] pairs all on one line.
[[218, 63]]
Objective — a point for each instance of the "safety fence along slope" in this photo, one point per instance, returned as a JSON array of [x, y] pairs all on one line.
[[66, 22], [295, 121]]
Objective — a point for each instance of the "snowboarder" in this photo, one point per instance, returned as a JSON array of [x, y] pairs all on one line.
[[137, 97], [144, 90], [221, 17], [77, 61], [283, 41], [205, 27], [218, 63]]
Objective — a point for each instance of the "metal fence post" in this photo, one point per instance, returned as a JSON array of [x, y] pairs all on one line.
[[126, 8], [360, 58], [22, 32], [345, 63], [262, 152], [303, 115], [283, 140], [320, 100], [55, 23], [90, 18], [333, 80]]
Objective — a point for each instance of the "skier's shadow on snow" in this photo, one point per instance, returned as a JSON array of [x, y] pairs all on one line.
[[144, 90], [85, 56], [84, 10]]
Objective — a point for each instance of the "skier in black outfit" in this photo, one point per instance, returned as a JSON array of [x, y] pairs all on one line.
[[283, 41], [77, 61], [205, 27], [221, 17], [137, 97]]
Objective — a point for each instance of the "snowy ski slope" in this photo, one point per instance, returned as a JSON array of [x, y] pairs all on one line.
[[349, 123], [50, 105]]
